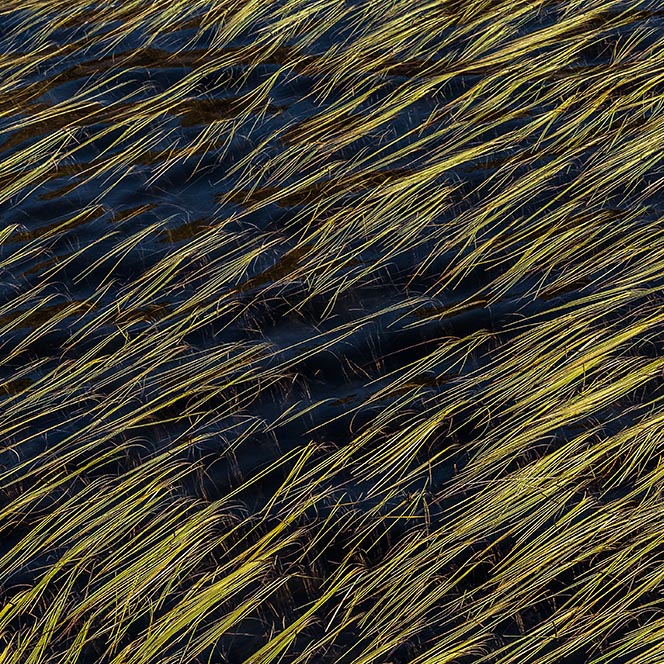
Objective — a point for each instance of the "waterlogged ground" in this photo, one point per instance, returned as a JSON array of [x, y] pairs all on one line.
[[331, 332]]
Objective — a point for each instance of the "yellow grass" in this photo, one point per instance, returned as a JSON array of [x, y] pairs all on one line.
[[490, 493]]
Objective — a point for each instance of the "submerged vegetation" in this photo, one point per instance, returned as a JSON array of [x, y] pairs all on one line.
[[331, 331]]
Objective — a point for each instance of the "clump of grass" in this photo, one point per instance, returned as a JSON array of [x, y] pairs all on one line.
[[331, 332]]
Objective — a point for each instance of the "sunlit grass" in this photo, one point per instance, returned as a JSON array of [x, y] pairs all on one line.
[[387, 388]]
